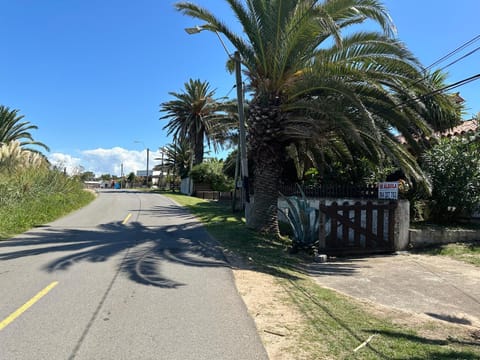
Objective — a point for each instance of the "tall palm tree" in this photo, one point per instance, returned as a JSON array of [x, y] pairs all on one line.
[[177, 158], [193, 116], [310, 83], [13, 129]]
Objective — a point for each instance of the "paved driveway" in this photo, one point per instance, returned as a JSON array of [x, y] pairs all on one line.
[[436, 286]]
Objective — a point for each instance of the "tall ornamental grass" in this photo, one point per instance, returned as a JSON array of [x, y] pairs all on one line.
[[33, 196]]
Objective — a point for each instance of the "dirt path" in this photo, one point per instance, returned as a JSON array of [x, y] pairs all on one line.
[[410, 290]]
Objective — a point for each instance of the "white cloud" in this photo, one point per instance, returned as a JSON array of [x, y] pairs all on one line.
[[64, 161], [104, 161]]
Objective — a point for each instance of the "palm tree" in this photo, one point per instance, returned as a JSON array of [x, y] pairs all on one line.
[[311, 84], [177, 158], [193, 116], [13, 129]]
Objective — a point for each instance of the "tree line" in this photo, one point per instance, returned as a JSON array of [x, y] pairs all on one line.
[[325, 102]]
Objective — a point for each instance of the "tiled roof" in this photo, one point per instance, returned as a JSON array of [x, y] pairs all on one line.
[[467, 126], [463, 128]]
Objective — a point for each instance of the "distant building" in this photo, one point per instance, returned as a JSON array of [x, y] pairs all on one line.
[[143, 173], [92, 184], [465, 128]]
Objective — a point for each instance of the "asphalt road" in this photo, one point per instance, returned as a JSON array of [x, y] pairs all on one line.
[[130, 276]]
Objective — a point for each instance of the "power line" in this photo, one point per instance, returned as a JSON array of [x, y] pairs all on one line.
[[453, 52], [448, 56], [452, 86], [233, 87], [461, 58], [441, 90]]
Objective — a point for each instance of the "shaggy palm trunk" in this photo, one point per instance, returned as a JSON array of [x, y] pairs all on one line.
[[198, 147], [267, 153]]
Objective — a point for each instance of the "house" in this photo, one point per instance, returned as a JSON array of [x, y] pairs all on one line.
[[465, 128]]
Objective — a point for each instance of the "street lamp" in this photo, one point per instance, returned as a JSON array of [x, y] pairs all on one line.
[[148, 156], [241, 115], [162, 150]]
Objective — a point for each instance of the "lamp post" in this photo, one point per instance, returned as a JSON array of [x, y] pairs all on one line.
[[148, 157], [241, 115], [162, 168], [174, 161]]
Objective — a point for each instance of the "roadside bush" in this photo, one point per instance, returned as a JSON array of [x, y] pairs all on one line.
[[32, 196], [210, 172], [454, 169]]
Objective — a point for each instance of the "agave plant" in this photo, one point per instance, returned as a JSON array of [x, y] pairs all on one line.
[[304, 221]]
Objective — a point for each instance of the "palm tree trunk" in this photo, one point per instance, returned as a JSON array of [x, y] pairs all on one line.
[[267, 151], [263, 215], [199, 148]]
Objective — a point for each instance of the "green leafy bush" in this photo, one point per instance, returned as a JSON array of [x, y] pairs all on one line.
[[210, 172], [454, 169]]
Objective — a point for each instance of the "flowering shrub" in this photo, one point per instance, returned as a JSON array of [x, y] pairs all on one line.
[[454, 169]]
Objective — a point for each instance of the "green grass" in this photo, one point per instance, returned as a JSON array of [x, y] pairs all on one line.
[[334, 325], [32, 198], [467, 252]]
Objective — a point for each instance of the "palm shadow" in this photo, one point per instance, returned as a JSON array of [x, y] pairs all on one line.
[[451, 353], [143, 250]]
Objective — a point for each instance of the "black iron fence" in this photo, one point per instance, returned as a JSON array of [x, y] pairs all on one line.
[[332, 191]]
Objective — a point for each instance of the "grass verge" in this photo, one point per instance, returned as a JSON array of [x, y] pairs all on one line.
[[332, 326], [33, 198], [466, 252]]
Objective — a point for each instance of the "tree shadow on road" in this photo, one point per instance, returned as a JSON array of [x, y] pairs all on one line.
[[141, 250]]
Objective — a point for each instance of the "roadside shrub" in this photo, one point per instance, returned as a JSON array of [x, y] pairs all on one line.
[[32, 196], [454, 169], [210, 172]]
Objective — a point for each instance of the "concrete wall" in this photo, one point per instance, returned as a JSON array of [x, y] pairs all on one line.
[[437, 235], [186, 186]]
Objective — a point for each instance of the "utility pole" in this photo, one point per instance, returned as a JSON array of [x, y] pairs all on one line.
[[241, 116], [241, 130], [148, 157], [122, 185]]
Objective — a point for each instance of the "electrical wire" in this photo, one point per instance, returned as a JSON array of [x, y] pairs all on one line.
[[438, 91], [450, 54], [461, 58], [453, 52], [233, 87]]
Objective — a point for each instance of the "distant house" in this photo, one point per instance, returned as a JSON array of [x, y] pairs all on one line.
[[465, 128], [143, 173], [92, 184]]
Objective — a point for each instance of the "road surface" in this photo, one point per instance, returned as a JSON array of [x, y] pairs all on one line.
[[130, 276]]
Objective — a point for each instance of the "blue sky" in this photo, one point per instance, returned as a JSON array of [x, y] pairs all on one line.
[[91, 74]]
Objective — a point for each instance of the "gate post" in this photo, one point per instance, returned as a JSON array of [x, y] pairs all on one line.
[[402, 225]]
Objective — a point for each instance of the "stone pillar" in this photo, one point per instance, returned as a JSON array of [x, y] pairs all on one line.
[[402, 225]]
